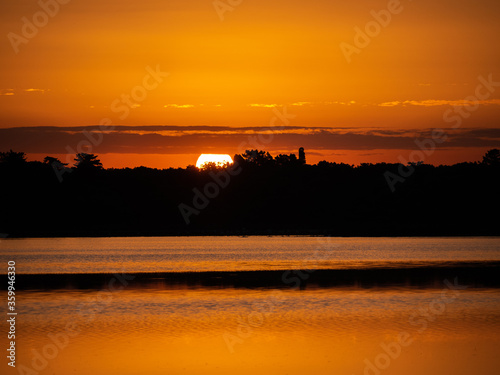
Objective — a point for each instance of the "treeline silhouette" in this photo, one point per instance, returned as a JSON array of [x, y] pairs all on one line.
[[259, 194]]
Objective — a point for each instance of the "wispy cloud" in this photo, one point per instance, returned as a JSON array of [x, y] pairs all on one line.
[[300, 104], [263, 105], [6, 92], [190, 139], [10, 92], [440, 102], [390, 104], [180, 106], [348, 102], [36, 90]]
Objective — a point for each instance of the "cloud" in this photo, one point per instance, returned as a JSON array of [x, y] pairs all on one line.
[[181, 106], [263, 105], [434, 102], [224, 139], [6, 92], [300, 104], [10, 92], [35, 90], [390, 104]]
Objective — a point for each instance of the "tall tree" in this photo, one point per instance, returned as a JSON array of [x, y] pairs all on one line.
[[86, 161], [302, 156]]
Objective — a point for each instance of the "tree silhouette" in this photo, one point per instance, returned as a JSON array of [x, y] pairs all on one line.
[[257, 157], [213, 166], [282, 159], [492, 157], [13, 158], [50, 161], [87, 162], [55, 163], [58, 166], [192, 168], [238, 159], [267, 197]]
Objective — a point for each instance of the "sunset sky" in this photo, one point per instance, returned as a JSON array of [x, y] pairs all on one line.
[[178, 78]]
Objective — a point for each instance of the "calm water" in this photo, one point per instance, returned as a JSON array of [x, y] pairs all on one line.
[[152, 254], [228, 331], [185, 329]]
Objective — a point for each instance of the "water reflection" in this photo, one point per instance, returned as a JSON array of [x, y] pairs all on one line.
[[228, 330], [194, 254], [251, 306]]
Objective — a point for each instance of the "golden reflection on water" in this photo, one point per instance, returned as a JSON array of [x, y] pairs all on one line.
[[267, 331], [194, 254]]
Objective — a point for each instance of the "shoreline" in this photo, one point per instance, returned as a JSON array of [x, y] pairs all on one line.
[[472, 274]]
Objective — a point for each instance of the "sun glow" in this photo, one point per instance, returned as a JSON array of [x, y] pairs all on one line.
[[218, 159]]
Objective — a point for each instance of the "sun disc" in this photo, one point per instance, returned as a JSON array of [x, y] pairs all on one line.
[[218, 159]]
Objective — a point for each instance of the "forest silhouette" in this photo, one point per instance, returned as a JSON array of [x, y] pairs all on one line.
[[258, 194]]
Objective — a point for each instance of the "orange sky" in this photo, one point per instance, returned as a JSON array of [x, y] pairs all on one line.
[[92, 60]]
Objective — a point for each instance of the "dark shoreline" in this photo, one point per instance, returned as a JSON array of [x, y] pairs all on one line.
[[268, 197], [470, 274]]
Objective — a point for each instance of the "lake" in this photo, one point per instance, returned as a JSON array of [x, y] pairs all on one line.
[[132, 323], [194, 254]]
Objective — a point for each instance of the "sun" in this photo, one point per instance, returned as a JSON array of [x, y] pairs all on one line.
[[218, 159]]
